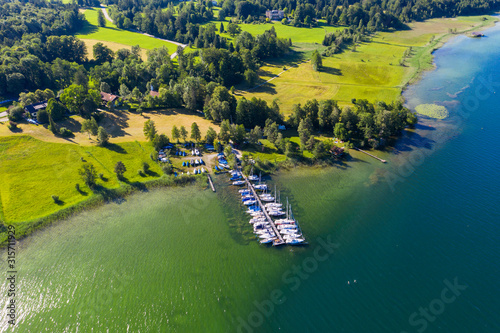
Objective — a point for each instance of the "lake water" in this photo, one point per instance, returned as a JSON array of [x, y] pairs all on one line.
[[407, 246]]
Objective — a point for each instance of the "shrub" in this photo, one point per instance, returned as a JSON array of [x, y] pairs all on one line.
[[65, 132], [55, 198], [140, 173], [101, 176], [167, 169], [145, 167], [77, 187], [12, 125], [120, 169]]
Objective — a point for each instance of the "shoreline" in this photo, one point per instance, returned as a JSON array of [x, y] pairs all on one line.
[[26, 228], [435, 45]]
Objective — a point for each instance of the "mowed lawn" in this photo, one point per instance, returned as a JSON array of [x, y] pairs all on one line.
[[372, 71], [111, 35], [31, 171]]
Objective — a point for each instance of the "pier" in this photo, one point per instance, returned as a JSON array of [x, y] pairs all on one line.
[[367, 153], [211, 183], [280, 240]]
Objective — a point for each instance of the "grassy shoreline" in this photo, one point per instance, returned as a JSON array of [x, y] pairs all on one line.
[[426, 58], [24, 229]]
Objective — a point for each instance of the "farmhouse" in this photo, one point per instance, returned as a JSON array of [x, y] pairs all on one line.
[[108, 98], [33, 109], [275, 14]]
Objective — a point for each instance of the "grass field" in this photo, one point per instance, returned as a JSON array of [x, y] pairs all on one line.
[[123, 126], [298, 35], [112, 36], [31, 171], [370, 72], [89, 43]]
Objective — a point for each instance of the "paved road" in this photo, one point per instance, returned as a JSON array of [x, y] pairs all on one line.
[[103, 8], [105, 12]]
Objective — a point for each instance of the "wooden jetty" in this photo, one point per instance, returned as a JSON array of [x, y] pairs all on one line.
[[367, 153], [211, 183], [280, 240]]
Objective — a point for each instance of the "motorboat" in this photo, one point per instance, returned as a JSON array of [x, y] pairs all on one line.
[[239, 182], [249, 202], [267, 240]]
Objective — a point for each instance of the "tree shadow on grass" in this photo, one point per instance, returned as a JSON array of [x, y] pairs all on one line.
[[106, 194], [71, 124], [116, 122], [331, 70], [87, 28], [84, 193], [116, 148], [152, 173], [137, 185]]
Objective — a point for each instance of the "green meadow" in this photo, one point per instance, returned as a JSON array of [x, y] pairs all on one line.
[[111, 34], [298, 35], [373, 70], [31, 171]]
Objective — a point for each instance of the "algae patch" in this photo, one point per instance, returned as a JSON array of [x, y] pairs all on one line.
[[432, 111]]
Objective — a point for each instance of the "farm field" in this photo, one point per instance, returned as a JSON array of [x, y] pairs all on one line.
[[113, 37], [372, 71]]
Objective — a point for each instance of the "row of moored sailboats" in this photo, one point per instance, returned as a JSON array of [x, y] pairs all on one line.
[[284, 223]]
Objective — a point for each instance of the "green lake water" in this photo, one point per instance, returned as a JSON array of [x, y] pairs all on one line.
[[386, 241]]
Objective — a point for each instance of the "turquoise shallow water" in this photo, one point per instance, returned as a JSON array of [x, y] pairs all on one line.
[[184, 260]]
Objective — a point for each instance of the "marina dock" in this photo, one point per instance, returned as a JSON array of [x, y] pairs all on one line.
[[280, 240], [367, 153], [211, 183]]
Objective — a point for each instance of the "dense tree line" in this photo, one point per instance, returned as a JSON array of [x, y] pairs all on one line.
[[365, 122], [40, 18], [373, 14]]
